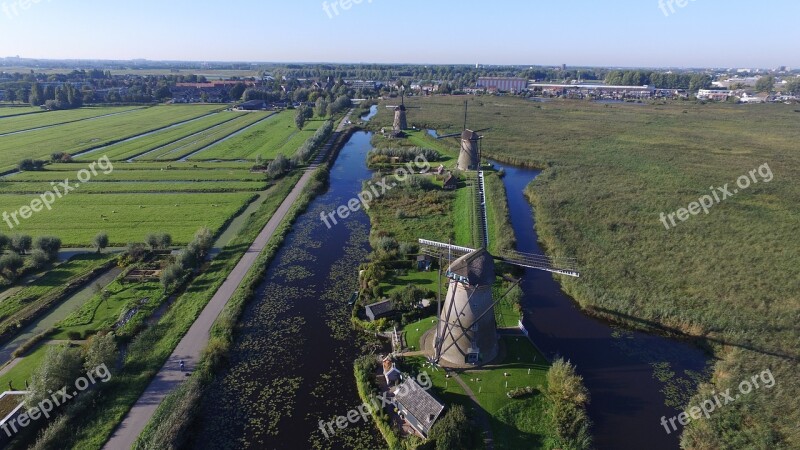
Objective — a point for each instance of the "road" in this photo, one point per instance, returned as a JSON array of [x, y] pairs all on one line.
[[189, 348]]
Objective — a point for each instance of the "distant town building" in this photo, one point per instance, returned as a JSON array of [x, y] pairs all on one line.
[[363, 85], [503, 84], [714, 95]]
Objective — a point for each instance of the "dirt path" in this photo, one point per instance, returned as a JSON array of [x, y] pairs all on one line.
[[189, 348]]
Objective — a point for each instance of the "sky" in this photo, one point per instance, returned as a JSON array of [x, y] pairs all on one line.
[[616, 33]]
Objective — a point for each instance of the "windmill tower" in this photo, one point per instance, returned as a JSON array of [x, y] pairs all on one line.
[[465, 334], [400, 119], [467, 331], [470, 156]]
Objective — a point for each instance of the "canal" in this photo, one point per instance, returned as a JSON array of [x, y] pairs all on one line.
[[619, 367], [291, 364]]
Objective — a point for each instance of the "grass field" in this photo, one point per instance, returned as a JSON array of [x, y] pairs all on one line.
[[128, 149], [729, 278], [11, 111], [53, 280], [24, 368], [275, 136], [88, 134], [137, 198], [49, 118], [76, 219]]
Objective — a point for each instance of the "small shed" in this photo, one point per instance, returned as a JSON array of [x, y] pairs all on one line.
[[379, 310], [450, 182], [417, 407], [424, 263]]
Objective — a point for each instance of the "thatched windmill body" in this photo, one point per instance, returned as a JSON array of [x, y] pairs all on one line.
[[467, 331]]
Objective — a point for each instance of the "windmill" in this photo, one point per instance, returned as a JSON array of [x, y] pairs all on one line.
[[470, 156], [466, 333], [400, 123]]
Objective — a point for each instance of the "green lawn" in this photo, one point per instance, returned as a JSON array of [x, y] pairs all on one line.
[[24, 368], [414, 331]]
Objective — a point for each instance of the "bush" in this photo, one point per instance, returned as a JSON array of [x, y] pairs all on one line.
[[60, 367], [74, 335], [522, 392], [49, 245], [30, 165], [10, 266], [21, 243], [38, 259], [568, 397]]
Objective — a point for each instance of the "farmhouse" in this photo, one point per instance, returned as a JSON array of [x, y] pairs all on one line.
[[417, 407]]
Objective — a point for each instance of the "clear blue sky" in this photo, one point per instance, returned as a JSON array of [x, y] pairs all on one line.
[[719, 33]]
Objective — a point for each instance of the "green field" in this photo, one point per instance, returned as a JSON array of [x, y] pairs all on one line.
[[49, 118], [134, 147], [273, 137], [122, 175], [76, 218], [11, 111], [206, 139], [52, 281], [175, 142], [729, 278], [88, 134]]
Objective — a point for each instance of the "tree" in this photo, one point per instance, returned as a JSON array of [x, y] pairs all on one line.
[[38, 259], [100, 241], [453, 430], [10, 266], [300, 119], [3, 242], [793, 87], [50, 245], [568, 398], [321, 108], [102, 351], [11, 95], [170, 275], [21, 243], [152, 240], [765, 84], [165, 241], [61, 366]]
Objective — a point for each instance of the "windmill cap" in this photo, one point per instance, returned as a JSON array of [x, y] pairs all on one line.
[[477, 267], [470, 135]]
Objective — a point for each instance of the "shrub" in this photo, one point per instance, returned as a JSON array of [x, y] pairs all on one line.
[[21, 243], [38, 259], [49, 245], [74, 335]]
